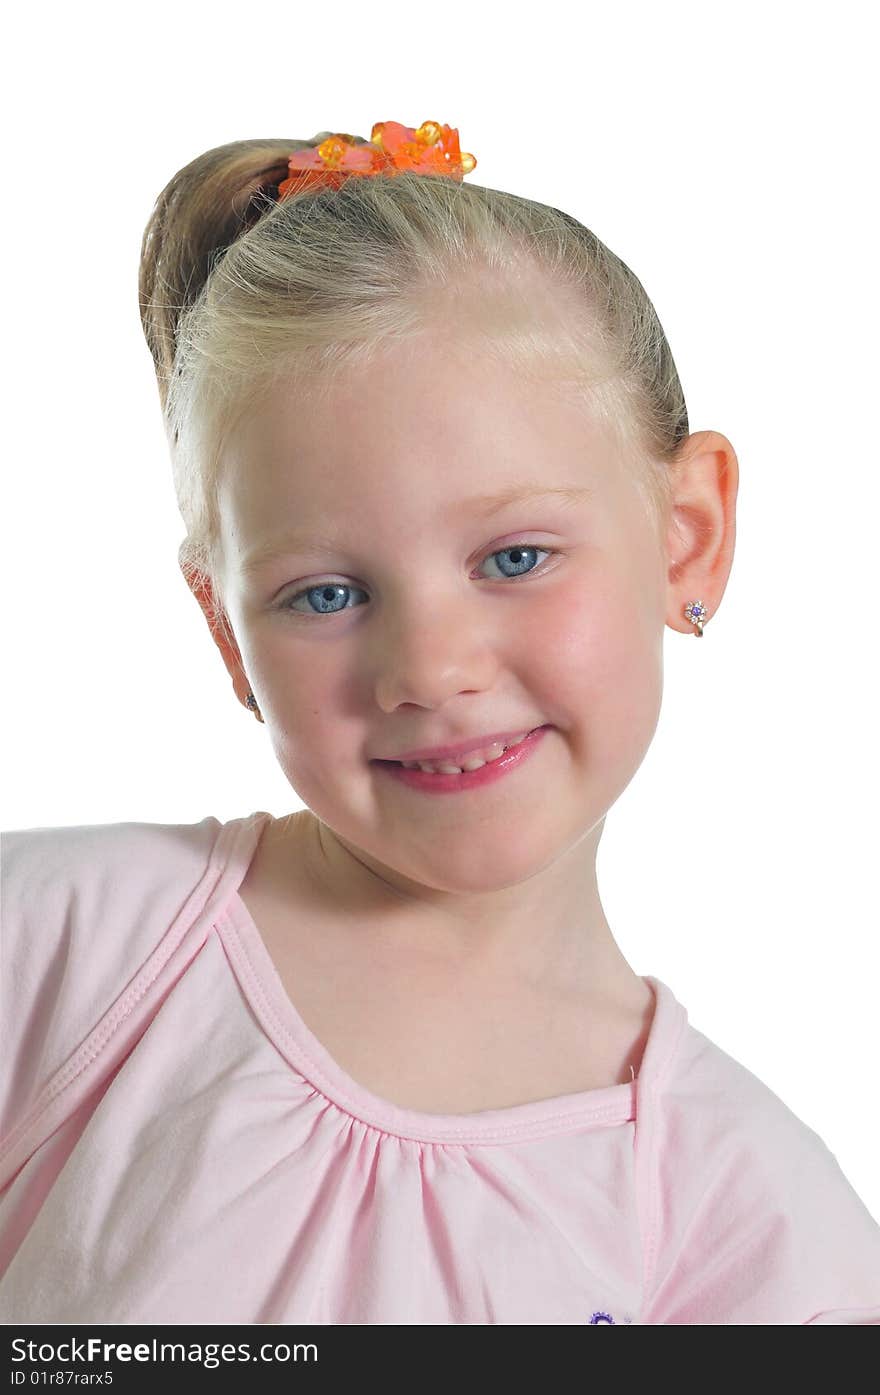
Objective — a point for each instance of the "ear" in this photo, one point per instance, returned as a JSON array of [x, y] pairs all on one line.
[[218, 623], [702, 527]]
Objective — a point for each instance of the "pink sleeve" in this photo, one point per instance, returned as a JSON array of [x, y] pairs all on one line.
[[82, 908], [751, 1219]]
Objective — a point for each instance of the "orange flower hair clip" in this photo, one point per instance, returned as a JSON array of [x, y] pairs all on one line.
[[427, 149]]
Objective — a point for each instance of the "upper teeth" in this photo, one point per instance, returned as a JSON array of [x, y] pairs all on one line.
[[472, 761]]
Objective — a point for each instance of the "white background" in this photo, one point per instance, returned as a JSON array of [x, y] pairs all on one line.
[[725, 153]]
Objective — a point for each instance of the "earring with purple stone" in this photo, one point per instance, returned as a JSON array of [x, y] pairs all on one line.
[[696, 612]]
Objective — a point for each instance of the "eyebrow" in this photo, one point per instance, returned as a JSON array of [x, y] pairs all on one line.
[[482, 506]]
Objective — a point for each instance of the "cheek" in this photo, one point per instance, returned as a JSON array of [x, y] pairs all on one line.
[[316, 723], [600, 658]]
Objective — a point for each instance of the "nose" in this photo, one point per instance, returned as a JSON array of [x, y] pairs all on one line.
[[427, 659]]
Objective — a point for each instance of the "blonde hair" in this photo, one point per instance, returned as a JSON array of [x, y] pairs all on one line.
[[239, 292]]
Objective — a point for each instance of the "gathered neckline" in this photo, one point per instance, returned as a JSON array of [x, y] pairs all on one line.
[[286, 1029]]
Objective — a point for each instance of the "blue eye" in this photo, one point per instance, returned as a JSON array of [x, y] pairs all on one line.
[[327, 593], [520, 553], [324, 598]]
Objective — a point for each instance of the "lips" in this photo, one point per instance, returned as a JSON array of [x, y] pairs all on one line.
[[447, 781], [460, 751], [483, 755]]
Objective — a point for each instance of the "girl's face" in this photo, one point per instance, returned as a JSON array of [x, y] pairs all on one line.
[[381, 605]]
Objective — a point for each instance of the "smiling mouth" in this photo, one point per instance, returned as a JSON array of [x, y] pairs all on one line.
[[465, 765]]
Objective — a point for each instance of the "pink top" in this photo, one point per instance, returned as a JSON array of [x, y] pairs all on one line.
[[177, 1147]]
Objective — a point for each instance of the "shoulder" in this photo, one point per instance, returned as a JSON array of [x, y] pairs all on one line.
[[97, 853], [718, 1104], [83, 908], [751, 1218], [89, 887]]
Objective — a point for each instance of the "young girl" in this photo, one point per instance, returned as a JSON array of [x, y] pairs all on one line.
[[382, 1061]]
